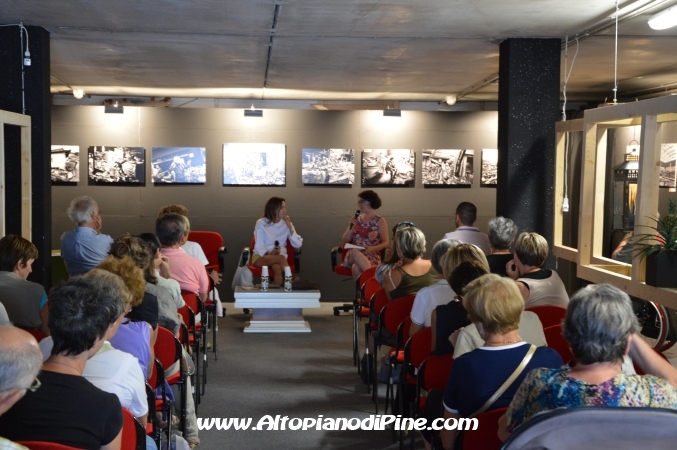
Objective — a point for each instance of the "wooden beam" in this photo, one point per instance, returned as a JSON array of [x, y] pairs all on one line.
[[567, 253], [10, 118], [594, 136], [2, 178], [599, 191], [655, 106], [569, 125], [26, 185]]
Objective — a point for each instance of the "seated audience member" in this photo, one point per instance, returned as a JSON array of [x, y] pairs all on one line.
[[85, 247], [160, 269], [538, 286], [187, 270], [390, 258], [448, 318], [158, 305], [67, 408], [456, 318], [19, 367], [368, 230], [194, 249], [414, 273], [494, 305], [466, 215], [601, 328], [428, 298], [271, 233], [23, 302], [502, 233]]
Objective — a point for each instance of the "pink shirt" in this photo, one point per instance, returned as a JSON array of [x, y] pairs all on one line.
[[187, 270]]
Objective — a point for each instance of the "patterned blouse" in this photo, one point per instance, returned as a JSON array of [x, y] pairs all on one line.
[[367, 235], [547, 389]]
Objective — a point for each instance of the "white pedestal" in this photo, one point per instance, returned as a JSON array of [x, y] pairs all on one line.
[[276, 311]]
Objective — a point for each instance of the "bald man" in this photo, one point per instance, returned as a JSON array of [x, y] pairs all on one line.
[[20, 362]]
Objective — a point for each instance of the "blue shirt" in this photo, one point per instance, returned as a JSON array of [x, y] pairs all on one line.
[[83, 248], [476, 375]]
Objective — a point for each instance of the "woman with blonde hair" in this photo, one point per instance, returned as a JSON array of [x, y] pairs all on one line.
[[414, 272]]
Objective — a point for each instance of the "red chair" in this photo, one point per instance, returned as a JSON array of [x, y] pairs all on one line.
[[336, 265], [37, 334], [168, 352], [162, 404], [486, 434], [189, 337], [199, 331], [397, 357], [41, 445], [133, 433], [416, 350], [555, 340], [292, 258], [376, 304], [360, 306], [549, 314]]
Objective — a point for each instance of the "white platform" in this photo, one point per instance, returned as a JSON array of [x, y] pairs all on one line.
[[276, 311]]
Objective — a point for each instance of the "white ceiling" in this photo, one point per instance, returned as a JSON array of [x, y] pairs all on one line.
[[399, 50]]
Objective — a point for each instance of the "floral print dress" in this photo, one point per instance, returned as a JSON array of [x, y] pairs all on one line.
[[367, 235]]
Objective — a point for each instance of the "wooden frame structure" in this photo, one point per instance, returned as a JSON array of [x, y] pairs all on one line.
[[23, 121], [591, 265]]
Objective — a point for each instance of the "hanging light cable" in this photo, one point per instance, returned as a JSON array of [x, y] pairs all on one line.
[[615, 89]]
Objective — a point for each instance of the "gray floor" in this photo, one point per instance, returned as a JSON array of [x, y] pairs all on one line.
[[295, 375]]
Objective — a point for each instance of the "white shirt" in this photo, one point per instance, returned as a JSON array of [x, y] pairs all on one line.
[[429, 298], [172, 286], [530, 329], [266, 233], [470, 235], [194, 249]]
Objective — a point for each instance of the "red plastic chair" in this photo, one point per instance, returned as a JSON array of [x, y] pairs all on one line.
[[191, 338], [162, 404], [336, 265], [133, 433], [549, 314], [555, 340], [168, 352], [416, 350], [212, 244], [292, 258], [486, 434], [366, 287], [41, 445]]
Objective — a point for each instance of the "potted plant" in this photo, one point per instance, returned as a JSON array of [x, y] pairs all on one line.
[[660, 249]]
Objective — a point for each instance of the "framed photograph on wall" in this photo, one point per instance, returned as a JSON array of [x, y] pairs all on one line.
[[388, 167], [65, 164], [668, 160], [179, 165], [328, 166], [254, 164], [447, 168], [117, 165], [489, 175]]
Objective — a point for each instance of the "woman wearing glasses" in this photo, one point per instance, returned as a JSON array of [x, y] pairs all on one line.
[[367, 230]]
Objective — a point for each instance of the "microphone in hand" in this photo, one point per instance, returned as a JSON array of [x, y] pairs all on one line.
[[277, 245], [357, 214]]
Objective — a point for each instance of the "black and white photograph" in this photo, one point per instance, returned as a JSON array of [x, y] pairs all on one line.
[[328, 166], [254, 164], [388, 167], [179, 165], [668, 161], [65, 164], [117, 165], [489, 176], [447, 168]]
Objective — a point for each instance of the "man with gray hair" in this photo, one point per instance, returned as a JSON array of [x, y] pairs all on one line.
[[85, 247], [20, 362]]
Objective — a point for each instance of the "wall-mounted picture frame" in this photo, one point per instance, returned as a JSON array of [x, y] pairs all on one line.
[[328, 166], [668, 162], [448, 168], [179, 165], [65, 163], [388, 167], [117, 165], [489, 173], [254, 164]]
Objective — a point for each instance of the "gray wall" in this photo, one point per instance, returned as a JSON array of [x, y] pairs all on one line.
[[320, 214]]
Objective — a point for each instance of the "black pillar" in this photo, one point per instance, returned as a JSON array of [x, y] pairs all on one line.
[[528, 103], [35, 98]]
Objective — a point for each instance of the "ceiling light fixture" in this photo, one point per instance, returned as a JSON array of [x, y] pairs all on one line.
[[451, 100], [78, 93], [392, 112], [108, 109], [252, 112], [664, 19]]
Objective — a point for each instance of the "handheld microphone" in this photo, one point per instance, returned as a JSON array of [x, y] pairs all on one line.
[[277, 244], [357, 214]]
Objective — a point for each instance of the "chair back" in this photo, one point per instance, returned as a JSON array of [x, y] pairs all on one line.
[[376, 304], [434, 371], [416, 350], [555, 340], [167, 348], [194, 303], [549, 314], [396, 311], [365, 276], [597, 427], [211, 242], [133, 433], [371, 287], [291, 258], [486, 434], [41, 445]]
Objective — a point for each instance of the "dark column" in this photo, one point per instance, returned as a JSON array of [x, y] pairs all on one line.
[[528, 103], [36, 98]]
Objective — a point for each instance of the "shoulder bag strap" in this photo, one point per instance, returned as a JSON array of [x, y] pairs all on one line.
[[507, 382]]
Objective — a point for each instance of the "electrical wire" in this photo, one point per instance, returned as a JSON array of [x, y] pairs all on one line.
[[615, 89], [22, 31], [567, 74]]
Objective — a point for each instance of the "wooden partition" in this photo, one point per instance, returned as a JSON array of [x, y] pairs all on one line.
[[23, 121], [591, 265]]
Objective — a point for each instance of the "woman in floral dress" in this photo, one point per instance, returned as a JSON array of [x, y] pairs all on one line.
[[368, 230]]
